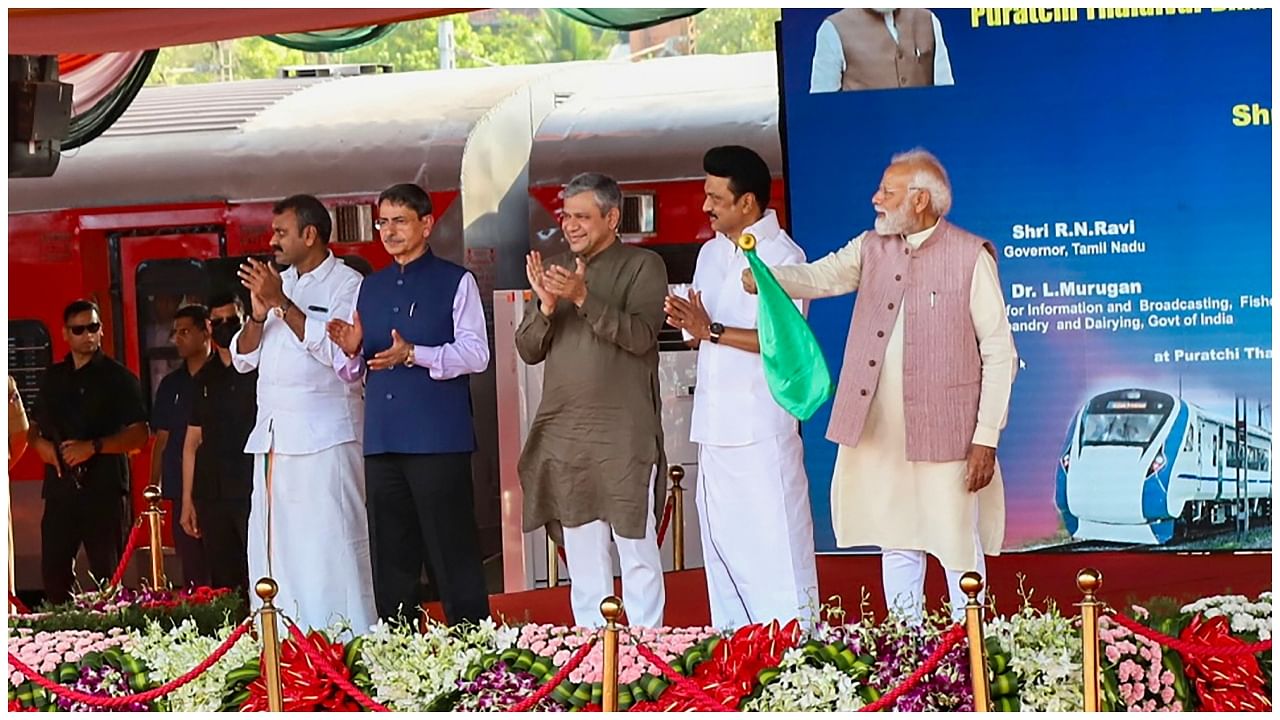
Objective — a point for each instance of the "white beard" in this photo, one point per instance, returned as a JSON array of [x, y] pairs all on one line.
[[897, 222]]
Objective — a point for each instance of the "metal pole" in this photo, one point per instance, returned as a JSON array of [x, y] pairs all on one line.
[[155, 518], [553, 563], [1244, 457], [971, 584], [611, 609], [677, 516], [266, 590], [1090, 581]]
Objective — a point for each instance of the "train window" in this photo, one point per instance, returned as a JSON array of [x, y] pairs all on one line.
[[1121, 428], [30, 354], [353, 223], [163, 286], [639, 214]]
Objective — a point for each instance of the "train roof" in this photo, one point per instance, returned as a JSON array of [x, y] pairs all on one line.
[[654, 120], [258, 139]]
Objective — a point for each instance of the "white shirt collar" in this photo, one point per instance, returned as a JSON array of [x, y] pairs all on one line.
[[320, 272], [766, 228]]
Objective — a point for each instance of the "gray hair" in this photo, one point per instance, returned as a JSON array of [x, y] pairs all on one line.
[[607, 193], [929, 176]]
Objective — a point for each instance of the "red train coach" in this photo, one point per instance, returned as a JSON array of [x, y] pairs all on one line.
[[164, 205]]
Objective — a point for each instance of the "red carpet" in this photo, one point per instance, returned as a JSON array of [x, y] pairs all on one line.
[[1126, 577]]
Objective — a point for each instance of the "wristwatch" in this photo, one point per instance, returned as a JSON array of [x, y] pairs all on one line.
[[717, 330], [284, 308]]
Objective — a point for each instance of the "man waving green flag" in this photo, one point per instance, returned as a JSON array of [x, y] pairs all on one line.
[[793, 364]]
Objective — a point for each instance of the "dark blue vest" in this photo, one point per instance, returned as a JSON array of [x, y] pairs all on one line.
[[406, 410]]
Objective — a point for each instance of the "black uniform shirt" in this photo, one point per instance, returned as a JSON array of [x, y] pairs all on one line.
[[93, 402], [226, 408]]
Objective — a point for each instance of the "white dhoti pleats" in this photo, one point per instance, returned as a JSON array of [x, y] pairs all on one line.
[[586, 550], [309, 531], [757, 532]]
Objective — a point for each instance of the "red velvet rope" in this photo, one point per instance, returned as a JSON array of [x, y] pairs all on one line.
[[19, 606], [145, 697], [700, 696], [528, 703], [326, 667], [1184, 647], [135, 537], [666, 518], [949, 641]]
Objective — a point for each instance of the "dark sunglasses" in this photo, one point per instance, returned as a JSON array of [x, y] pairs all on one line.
[[79, 330], [219, 322]]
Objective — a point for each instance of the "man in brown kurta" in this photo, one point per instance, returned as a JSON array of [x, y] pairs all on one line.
[[590, 466]]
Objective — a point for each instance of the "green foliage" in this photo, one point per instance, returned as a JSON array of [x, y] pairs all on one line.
[[517, 39], [725, 31], [223, 610]]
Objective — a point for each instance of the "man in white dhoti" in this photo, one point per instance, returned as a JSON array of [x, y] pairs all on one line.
[[307, 525], [924, 389], [752, 494]]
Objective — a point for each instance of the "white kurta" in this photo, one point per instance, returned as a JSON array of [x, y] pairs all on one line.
[[752, 490], [309, 423], [878, 497]]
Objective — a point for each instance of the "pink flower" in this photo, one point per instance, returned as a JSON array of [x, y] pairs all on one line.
[[49, 665], [72, 656], [1167, 695], [561, 658], [1149, 706], [538, 646], [16, 678], [1167, 678], [1145, 653], [1176, 707], [1113, 653]]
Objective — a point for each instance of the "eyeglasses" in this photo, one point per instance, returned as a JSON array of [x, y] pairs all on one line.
[[79, 330], [381, 223], [890, 191]]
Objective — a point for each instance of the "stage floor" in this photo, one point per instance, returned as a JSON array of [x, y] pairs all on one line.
[[1127, 577]]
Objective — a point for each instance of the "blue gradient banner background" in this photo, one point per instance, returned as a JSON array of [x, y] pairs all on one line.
[[1113, 120]]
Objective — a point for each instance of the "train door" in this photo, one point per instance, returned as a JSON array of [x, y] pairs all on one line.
[[153, 274]]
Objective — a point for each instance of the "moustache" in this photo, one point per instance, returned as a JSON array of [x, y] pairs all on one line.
[[276, 248]]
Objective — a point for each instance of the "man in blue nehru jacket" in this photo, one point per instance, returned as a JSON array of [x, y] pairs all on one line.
[[417, 333]]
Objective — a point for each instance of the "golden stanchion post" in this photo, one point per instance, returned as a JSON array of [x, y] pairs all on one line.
[[611, 609], [971, 584], [553, 563], [677, 516], [1090, 581], [155, 518], [267, 589]]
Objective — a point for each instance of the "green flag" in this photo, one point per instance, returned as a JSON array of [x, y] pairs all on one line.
[[793, 364]]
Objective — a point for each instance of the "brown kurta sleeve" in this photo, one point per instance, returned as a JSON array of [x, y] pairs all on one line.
[[533, 337], [635, 326]]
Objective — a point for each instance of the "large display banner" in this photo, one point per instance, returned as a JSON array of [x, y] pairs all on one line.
[[1120, 161]]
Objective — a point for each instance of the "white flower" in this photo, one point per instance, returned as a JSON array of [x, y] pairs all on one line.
[[411, 671], [804, 688], [172, 653]]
